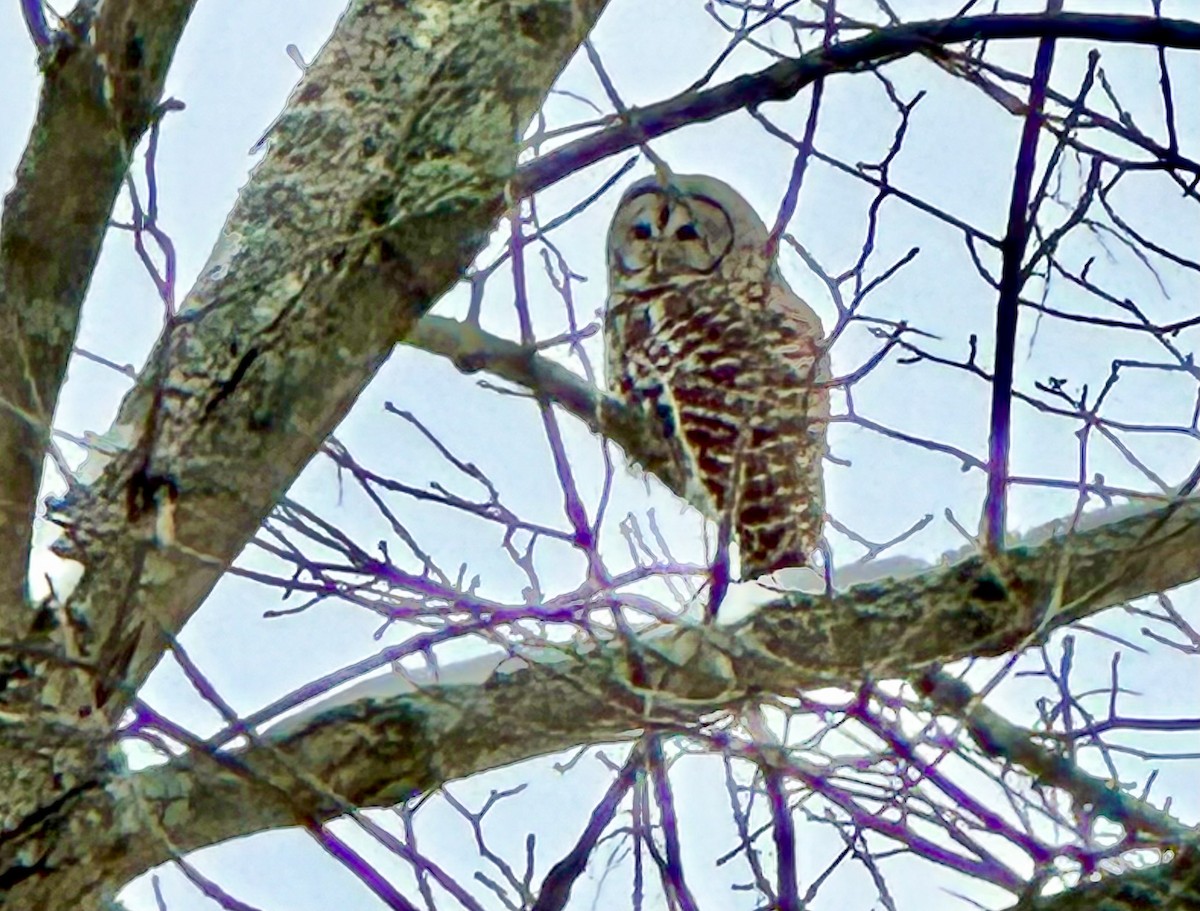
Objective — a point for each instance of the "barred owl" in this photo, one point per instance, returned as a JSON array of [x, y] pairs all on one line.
[[727, 365]]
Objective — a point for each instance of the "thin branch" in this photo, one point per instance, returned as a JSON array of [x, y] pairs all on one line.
[[556, 887], [1007, 307], [781, 81]]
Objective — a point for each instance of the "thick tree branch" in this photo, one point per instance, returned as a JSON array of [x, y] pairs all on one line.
[[1171, 886], [98, 98], [471, 349]]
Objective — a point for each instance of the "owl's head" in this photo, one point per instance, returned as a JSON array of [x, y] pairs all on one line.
[[664, 236]]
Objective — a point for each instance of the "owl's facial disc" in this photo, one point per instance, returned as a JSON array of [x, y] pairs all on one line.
[[660, 239]]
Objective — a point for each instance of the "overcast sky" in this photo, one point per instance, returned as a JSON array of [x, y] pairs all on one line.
[[234, 75]]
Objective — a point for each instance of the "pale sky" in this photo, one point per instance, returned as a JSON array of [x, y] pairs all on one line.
[[234, 75]]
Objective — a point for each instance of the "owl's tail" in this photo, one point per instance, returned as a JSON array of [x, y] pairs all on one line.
[[780, 512]]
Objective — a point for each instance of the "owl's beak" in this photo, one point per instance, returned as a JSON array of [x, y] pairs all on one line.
[[656, 263]]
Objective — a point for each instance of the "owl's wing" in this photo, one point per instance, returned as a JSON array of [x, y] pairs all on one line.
[[781, 490], [637, 373], [804, 350], [614, 349]]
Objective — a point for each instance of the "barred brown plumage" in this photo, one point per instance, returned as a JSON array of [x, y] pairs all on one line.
[[727, 363]]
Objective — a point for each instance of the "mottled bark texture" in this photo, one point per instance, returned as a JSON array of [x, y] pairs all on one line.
[[103, 79], [1174, 885], [382, 180]]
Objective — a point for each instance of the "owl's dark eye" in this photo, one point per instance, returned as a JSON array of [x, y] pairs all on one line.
[[686, 232], [640, 231]]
